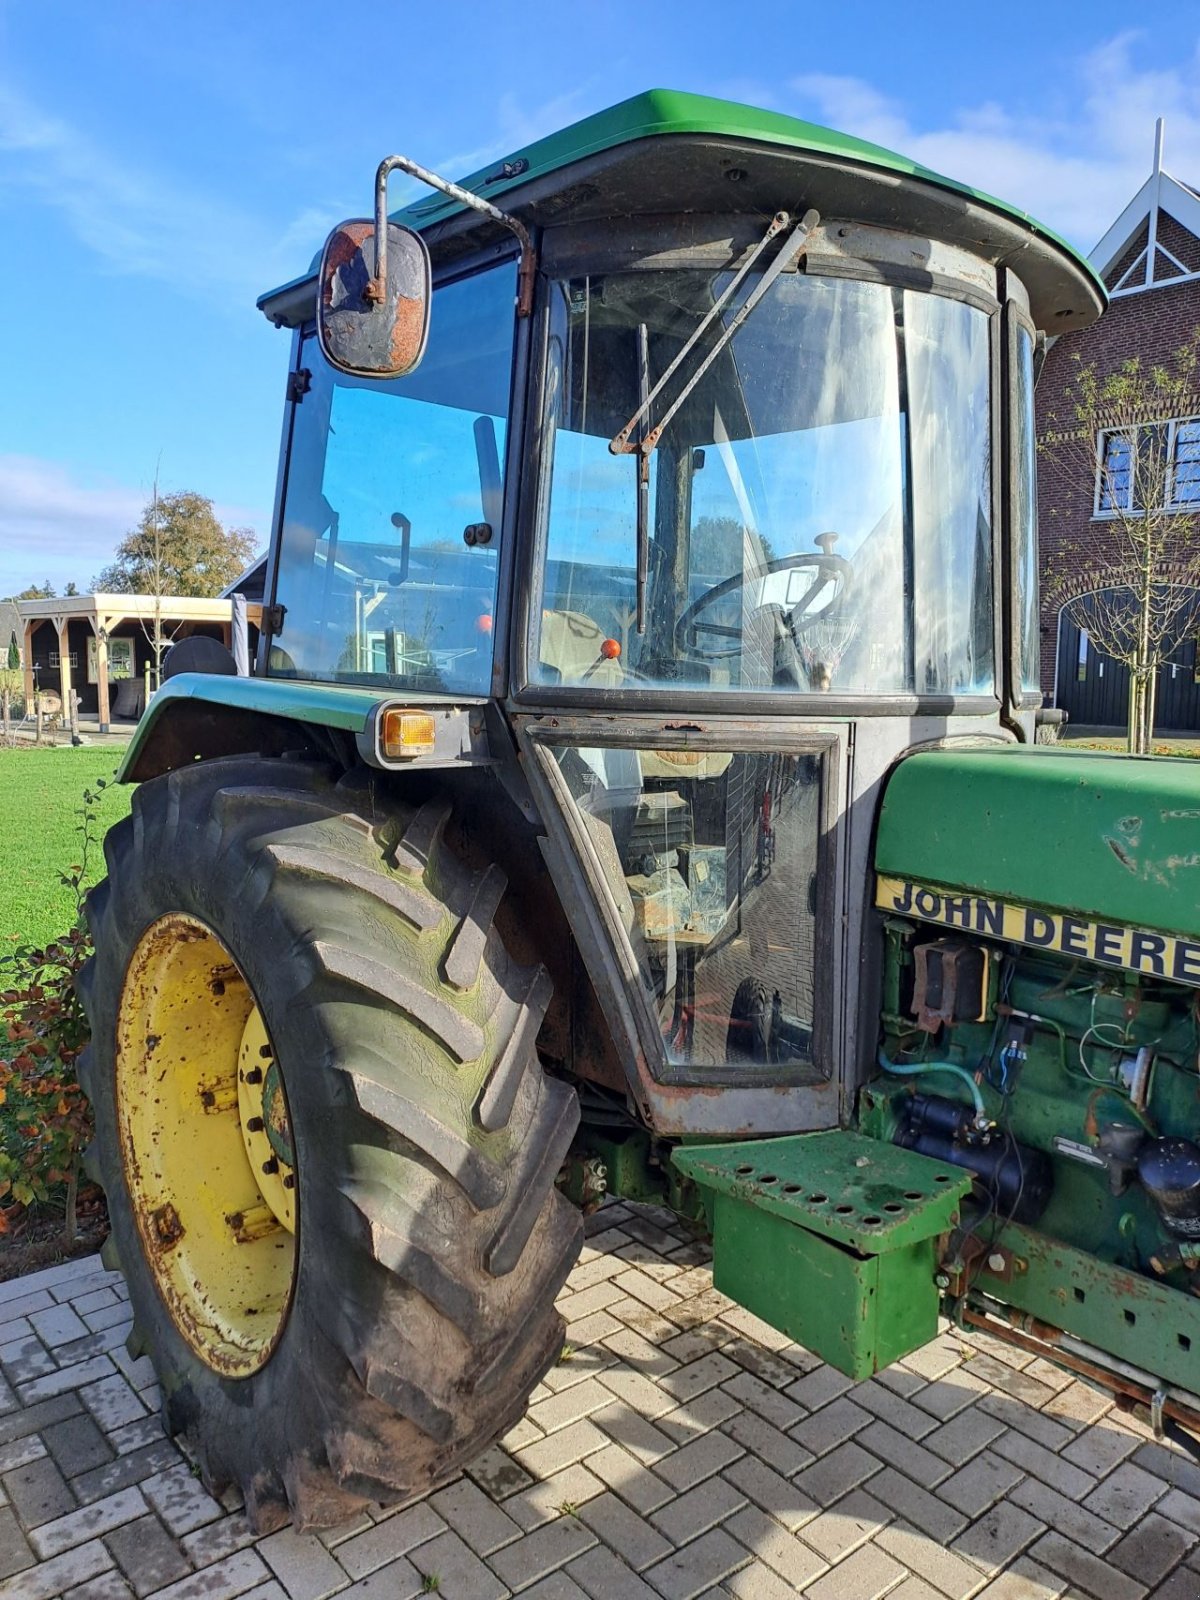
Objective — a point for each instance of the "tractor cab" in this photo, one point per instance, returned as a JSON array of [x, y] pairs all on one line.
[[713, 469], [636, 793]]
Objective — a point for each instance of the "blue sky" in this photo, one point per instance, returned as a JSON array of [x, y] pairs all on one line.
[[163, 163]]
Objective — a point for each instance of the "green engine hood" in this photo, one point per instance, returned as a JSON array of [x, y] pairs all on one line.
[[1116, 838]]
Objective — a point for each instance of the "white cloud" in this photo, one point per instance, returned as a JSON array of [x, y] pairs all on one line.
[[141, 222], [66, 528], [514, 125], [1073, 163], [147, 222], [54, 526]]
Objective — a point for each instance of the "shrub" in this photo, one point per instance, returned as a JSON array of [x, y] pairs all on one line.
[[12, 684], [45, 1121]]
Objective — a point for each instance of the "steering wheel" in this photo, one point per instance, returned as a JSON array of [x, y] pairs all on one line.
[[830, 572]]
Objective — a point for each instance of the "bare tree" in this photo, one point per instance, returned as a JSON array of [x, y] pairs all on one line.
[[1132, 583], [154, 568]]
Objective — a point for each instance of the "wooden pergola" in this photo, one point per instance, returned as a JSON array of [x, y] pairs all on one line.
[[106, 612]]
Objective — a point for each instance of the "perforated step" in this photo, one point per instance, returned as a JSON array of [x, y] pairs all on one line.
[[871, 1196], [830, 1237]]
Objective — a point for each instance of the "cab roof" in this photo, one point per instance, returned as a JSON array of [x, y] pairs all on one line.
[[872, 183]]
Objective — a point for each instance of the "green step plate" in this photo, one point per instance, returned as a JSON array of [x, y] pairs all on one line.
[[831, 1238], [863, 1193]]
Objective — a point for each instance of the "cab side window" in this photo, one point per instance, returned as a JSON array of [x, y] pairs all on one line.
[[383, 480]]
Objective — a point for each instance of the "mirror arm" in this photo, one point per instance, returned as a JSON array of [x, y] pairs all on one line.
[[526, 273]]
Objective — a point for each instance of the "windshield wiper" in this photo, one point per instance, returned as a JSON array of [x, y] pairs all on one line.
[[623, 443]]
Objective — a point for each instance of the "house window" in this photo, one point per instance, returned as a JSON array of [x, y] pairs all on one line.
[[120, 660], [1167, 469], [72, 659], [1114, 477], [1185, 463]]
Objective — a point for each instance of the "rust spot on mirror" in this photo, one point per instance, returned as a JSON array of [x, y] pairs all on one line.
[[365, 329]]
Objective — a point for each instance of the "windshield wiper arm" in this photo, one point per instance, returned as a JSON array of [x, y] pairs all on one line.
[[622, 443]]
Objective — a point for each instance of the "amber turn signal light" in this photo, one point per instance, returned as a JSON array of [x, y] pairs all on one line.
[[407, 733]]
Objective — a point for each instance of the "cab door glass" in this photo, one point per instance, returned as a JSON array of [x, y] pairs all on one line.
[[711, 860]]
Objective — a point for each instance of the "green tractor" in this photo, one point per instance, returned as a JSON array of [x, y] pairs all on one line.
[[636, 794]]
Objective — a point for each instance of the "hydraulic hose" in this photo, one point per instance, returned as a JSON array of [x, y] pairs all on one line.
[[916, 1068]]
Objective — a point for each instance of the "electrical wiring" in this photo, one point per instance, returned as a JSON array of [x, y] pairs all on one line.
[[1105, 1083], [998, 1227]]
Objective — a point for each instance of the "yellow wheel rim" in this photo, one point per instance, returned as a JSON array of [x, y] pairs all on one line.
[[206, 1145]]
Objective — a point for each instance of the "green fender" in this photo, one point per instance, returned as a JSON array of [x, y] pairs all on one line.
[[199, 715]]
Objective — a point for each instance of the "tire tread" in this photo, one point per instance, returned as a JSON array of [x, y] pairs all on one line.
[[440, 1191]]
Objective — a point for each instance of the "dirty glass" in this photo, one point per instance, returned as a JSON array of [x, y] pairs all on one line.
[[383, 479], [711, 860], [819, 507], [1024, 515], [947, 368]]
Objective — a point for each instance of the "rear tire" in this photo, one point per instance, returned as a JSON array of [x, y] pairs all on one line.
[[431, 1241], [748, 1037]]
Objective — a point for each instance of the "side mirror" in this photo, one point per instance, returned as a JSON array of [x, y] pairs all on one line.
[[369, 324]]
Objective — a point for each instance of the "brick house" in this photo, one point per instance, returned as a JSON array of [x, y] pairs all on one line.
[[1150, 260]]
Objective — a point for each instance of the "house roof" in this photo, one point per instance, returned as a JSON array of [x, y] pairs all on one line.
[[1155, 265], [249, 582], [179, 608]]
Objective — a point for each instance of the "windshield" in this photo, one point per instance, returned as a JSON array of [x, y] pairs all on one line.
[[819, 506]]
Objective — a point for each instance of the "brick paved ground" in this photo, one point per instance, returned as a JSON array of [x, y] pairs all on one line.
[[682, 1449]]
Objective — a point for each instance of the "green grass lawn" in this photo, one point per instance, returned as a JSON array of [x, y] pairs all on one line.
[[41, 792], [1186, 748]]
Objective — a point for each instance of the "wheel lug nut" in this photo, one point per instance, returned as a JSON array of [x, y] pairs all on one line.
[[270, 1166], [289, 1180], [255, 1125], [254, 1075], [266, 1052]]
